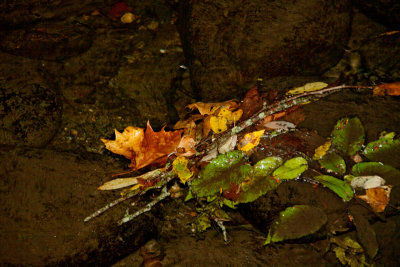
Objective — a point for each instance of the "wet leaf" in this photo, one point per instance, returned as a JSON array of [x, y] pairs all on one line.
[[219, 123], [144, 147], [308, 87], [388, 173], [180, 168], [321, 150], [296, 222], [260, 181], [367, 182], [341, 188], [279, 125], [250, 140], [186, 147], [385, 150], [387, 89], [332, 162], [348, 135], [291, 169], [252, 103], [220, 173], [210, 108], [377, 198], [348, 251], [118, 183], [228, 144]]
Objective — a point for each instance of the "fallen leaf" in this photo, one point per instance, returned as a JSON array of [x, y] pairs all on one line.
[[119, 9], [228, 144], [250, 140], [279, 125], [144, 147], [252, 103], [186, 147], [278, 115], [180, 168], [367, 182], [210, 108], [118, 183], [321, 150], [387, 89], [377, 198], [218, 124], [308, 87]]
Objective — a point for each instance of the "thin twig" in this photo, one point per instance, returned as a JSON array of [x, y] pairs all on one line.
[[109, 206], [128, 217]]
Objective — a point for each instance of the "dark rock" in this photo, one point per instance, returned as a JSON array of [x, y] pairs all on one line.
[[386, 12], [30, 111], [45, 196], [230, 43]]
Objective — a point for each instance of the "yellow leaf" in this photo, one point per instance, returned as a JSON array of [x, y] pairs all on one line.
[[126, 143], [218, 124], [250, 140], [210, 108], [309, 87], [118, 183], [321, 150], [180, 168]]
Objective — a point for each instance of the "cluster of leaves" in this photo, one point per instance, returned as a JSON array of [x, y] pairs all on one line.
[[214, 162]]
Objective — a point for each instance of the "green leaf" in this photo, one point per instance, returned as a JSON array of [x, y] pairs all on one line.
[[260, 181], [220, 173], [291, 169], [385, 150], [348, 135], [390, 174], [341, 188], [287, 225], [332, 162]]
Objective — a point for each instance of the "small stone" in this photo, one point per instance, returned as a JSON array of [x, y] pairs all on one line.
[[128, 18]]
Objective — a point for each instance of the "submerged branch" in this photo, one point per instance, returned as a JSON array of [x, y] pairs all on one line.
[[128, 217]]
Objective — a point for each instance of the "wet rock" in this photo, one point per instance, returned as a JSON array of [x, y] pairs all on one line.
[[46, 195], [383, 11], [49, 41], [230, 44], [30, 110]]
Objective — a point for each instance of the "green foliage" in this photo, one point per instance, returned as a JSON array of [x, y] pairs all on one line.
[[385, 150], [291, 169], [348, 136], [390, 174], [333, 162], [340, 187], [287, 225]]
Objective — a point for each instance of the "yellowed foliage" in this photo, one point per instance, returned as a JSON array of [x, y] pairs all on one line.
[[250, 140], [308, 87], [321, 150], [218, 124], [180, 168]]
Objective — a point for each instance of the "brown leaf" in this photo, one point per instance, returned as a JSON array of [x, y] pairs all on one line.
[[144, 147], [252, 102], [186, 147], [377, 197], [387, 89]]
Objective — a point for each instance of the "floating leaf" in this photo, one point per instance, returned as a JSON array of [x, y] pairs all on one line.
[[210, 108], [321, 150], [144, 147], [377, 198], [332, 162], [385, 150], [287, 226], [341, 188], [348, 136], [260, 182], [180, 168], [387, 89], [367, 182], [291, 169], [250, 140], [308, 87], [388, 173], [118, 183], [218, 124], [220, 173]]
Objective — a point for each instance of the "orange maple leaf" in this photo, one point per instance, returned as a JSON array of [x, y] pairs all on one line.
[[387, 89], [144, 147]]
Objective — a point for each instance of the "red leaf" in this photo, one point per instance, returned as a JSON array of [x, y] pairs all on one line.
[[119, 9]]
